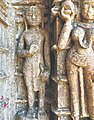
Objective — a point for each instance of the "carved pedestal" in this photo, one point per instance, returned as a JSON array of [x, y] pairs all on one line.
[[43, 116], [62, 110]]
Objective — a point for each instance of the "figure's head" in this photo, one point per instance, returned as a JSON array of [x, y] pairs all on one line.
[[87, 10], [67, 8], [34, 16]]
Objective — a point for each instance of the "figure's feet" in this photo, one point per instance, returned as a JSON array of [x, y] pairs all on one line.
[[60, 77], [42, 115], [21, 115], [76, 118], [41, 110], [31, 114]]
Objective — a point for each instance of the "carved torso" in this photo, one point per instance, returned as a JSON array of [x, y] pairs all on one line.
[[34, 40], [79, 55], [35, 36], [80, 60]]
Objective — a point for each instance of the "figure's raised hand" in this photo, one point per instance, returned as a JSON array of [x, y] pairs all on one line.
[[67, 15], [55, 10], [67, 11]]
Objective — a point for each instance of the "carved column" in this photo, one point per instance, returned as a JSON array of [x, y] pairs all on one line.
[[11, 44], [4, 62], [62, 47], [63, 109], [21, 101]]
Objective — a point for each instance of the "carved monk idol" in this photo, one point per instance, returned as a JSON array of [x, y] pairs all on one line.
[[37, 63]]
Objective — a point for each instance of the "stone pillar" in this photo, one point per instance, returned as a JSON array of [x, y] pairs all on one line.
[[62, 111], [12, 89]]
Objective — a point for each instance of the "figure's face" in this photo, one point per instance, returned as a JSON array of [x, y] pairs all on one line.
[[87, 10], [34, 16]]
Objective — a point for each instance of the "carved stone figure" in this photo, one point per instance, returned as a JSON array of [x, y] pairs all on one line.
[[67, 14], [87, 14], [25, 63], [36, 69], [79, 58], [87, 22], [89, 77], [80, 65]]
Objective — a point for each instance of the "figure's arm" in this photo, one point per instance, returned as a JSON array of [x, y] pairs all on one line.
[[63, 40], [34, 48], [21, 52], [46, 52], [45, 69], [64, 36]]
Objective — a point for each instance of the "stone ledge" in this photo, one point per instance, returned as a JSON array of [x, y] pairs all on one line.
[[61, 111], [60, 79], [21, 101]]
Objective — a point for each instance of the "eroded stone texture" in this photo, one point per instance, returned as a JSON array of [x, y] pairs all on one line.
[[33, 33], [77, 56], [34, 48]]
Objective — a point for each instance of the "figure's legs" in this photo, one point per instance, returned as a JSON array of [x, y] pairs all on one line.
[[61, 63], [72, 74], [29, 84], [42, 96], [89, 83], [42, 113]]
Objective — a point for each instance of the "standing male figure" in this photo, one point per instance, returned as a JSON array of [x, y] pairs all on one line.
[[34, 46]]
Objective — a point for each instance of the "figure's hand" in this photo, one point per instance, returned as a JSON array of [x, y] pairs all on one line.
[[28, 54], [44, 73], [33, 49], [55, 11], [54, 47], [24, 53], [67, 15]]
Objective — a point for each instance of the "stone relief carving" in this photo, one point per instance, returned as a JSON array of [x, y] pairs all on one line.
[[36, 68], [78, 78], [62, 89], [78, 56], [67, 15]]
